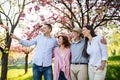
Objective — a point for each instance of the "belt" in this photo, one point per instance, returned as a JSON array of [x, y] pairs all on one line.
[[79, 63]]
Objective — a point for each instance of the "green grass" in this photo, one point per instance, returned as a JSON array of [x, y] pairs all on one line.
[[17, 72], [113, 69]]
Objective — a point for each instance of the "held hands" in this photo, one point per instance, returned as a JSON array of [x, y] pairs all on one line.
[[14, 37]]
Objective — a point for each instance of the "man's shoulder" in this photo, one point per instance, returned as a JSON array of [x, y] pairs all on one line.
[[53, 38], [40, 35], [82, 39]]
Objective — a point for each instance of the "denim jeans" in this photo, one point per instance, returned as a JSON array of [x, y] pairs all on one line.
[[62, 76], [38, 71]]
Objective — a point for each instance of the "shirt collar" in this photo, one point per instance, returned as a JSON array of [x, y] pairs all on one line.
[[47, 37], [77, 41]]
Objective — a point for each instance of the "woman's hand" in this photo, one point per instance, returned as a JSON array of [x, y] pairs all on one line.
[[102, 66]]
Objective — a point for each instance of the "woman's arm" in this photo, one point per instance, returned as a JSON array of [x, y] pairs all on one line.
[[104, 53], [102, 66]]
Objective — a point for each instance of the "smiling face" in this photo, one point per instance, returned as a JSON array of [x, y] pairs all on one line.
[[63, 41], [46, 29], [86, 32], [60, 40], [75, 34]]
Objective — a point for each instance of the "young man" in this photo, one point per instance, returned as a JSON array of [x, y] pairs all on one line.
[[79, 61], [42, 60]]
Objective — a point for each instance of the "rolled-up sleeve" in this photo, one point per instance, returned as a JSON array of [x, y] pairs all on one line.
[[104, 50]]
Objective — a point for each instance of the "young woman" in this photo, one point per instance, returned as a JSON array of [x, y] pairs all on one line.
[[98, 54], [62, 59]]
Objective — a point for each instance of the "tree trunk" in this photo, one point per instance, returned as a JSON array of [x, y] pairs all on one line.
[[4, 68], [26, 63], [4, 59]]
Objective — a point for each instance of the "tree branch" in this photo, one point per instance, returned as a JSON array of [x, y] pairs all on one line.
[[2, 40], [70, 18], [100, 22], [2, 50], [70, 11], [82, 15], [61, 11], [23, 5], [3, 2], [6, 17], [91, 7], [87, 5], [9, 8]]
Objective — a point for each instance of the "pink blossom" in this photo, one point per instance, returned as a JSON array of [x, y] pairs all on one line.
[[43, 3], [37, 26], [33, 1], [3, 26], [36, 8], [30, 9], [70, 1], [42, 17], [22, 14]]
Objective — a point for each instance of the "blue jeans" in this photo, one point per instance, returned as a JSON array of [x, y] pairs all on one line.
[[62, 76], [38, 71]]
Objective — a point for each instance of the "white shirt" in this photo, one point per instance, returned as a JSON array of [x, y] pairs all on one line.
[[97, 51]]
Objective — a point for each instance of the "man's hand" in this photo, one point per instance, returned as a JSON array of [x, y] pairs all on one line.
[[103, 40], [14, 37]]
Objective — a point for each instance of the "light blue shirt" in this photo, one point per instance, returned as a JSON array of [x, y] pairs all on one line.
[[43, 51], [97, 51], [76, 52]]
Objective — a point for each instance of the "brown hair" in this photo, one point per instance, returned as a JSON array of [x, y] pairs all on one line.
[[49, 26], [89, 27], [66, 42]]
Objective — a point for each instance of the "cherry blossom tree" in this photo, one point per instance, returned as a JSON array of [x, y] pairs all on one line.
[[28, 34], [65, 14], [10, 12], [70, 13], [25, 50]]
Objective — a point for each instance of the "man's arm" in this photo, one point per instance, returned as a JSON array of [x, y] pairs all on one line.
[[25, 42], [14, 37]]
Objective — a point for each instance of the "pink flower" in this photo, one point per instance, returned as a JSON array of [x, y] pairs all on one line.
[[70, 1], [33, 1], [36, 8], [42, 17], [30, 9], [22, 14], [5, 27]]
